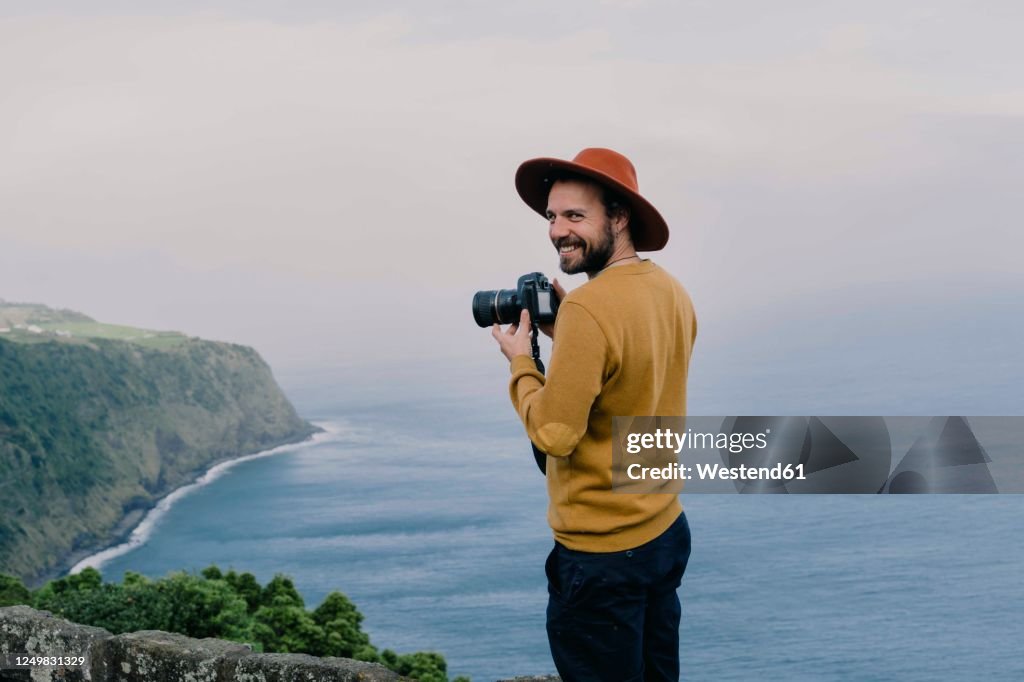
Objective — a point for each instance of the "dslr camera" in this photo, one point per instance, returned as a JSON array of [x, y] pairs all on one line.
[[533, 292]]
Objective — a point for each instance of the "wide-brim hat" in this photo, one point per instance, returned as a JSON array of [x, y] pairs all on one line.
[[606, 167]]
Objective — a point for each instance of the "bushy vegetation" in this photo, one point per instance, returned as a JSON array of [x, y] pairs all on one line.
[[233, 606]]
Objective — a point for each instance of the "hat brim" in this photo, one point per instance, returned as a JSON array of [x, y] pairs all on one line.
[[533, 182]]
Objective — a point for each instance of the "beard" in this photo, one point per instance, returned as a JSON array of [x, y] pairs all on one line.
[[592, 257]]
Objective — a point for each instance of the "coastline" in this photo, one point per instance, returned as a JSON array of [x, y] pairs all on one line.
[[133, 528]]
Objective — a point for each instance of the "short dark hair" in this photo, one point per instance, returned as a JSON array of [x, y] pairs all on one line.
[[613, 202]]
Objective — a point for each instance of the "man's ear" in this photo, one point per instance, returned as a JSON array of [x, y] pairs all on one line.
[[620, 222]]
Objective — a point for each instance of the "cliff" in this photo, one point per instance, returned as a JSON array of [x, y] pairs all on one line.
[[97, 422]]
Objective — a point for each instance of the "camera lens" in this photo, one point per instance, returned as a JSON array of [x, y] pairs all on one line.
[[495, 306]]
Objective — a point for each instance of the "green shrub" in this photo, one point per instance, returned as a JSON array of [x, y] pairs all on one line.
[[228, 606], [13, 592]]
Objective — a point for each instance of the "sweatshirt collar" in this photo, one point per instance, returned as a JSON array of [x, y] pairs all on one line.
[[639, 268]]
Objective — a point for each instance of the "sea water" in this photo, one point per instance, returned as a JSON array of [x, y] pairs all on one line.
[[430, 516]]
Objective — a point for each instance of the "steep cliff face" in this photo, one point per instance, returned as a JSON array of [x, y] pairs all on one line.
[[96, 429]]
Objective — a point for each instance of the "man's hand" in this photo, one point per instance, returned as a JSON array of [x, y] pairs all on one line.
[[516, 339], [548, 328]]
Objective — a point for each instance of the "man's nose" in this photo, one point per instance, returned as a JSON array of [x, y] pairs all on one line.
[[558, 228]]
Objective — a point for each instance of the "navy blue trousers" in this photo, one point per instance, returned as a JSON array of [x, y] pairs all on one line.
[[614, 617]]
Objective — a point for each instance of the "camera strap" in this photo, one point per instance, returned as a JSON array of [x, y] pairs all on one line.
[[540, 457]]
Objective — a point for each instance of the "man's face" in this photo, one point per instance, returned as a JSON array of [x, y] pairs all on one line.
[[579, 227]]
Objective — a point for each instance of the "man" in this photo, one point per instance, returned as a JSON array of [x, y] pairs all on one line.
[[621, 346]]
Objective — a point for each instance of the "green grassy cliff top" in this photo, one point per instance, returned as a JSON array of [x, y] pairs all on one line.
[[33, 322]]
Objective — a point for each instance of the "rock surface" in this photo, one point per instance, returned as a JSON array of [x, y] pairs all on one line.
[[153, 656]]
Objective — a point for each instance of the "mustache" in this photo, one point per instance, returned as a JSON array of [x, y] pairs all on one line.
[[568, 241]]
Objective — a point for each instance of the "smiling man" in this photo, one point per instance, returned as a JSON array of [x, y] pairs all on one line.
[[585, 227], [621, 347]]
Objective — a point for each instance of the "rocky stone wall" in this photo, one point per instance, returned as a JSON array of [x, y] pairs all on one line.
[[153, 656]]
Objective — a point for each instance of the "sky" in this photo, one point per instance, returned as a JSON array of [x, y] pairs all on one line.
[[331, 182]]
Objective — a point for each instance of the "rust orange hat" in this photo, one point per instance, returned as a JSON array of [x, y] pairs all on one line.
[[607, 167]]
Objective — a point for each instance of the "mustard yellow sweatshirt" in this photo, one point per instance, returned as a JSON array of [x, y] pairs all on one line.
[[622, 345]]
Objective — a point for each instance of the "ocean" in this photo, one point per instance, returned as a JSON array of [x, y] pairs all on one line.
[[430, 516]]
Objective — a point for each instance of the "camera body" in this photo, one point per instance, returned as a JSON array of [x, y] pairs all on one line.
[[533, 292]]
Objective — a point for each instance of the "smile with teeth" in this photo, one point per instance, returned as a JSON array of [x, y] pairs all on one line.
[[568, 248]]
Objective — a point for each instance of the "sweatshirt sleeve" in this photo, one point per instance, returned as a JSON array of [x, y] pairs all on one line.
[[556, 409]]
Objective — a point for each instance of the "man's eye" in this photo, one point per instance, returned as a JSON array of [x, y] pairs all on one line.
[[576, 216]]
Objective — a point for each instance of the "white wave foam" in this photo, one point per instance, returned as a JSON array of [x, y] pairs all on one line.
[[142, 532]]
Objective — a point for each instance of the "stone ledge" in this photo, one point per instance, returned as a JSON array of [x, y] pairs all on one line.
[[159, 656], [24, 630], [154, 656]]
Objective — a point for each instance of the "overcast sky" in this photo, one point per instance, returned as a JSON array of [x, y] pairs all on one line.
[[327, 182]]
